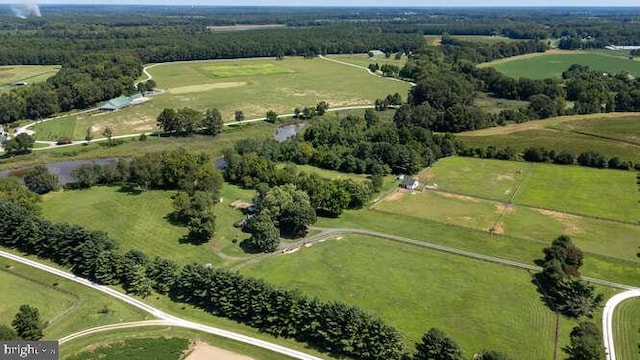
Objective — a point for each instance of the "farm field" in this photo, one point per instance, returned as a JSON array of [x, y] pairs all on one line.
[[28, 73], [626, 320], [435, 40], [613, 134], [253, 86], [154, 335], [409, 298], [69, 307], [140, 221], [552, 64]]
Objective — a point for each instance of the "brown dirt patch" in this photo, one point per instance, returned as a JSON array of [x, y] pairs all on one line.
[[204, 351], [457, 196], [504, 208], [570, 222], [205, 87], [425, 175], [396, 195]]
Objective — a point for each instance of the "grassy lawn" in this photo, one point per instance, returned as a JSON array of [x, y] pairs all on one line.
[[551, 65], [139, 348], [365, 60], [494, 105], [159, 334], [445, 208], [140, 221], [494, 179], [525, 250], [55, 129], [610, 194], [67, 306], [612, 239], [329, 174], [626, 329], [415, 289], [253, 86]]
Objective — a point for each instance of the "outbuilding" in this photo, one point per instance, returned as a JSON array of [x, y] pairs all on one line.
[[410, 183]]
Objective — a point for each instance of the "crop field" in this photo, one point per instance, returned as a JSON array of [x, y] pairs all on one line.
[[81, 347], [253, 86], [552, 64], [411, 288], [614, 134], [140, 221], [67, 306], [27, 73], [626, 329]]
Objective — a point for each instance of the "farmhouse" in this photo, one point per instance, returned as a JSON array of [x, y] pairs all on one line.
[[122, 102], [410, 183]]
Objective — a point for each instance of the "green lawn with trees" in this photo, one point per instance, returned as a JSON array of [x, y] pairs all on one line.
[[411, 288], [551, 65], [626, 320], [66, 306]]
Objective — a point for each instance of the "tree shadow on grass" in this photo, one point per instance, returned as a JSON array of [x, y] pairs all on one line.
[[130, 189]]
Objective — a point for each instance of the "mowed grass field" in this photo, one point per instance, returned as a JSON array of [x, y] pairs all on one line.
[[27, 73], [626, 329], [253, 86], [67, 306], [552, 64], [613, 134], [140, 221], [415, 289]]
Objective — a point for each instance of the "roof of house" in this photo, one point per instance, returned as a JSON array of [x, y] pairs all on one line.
[[117, 103], [409, 181]]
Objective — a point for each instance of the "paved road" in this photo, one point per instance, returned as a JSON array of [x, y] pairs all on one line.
[[173, 320], [607, 320]]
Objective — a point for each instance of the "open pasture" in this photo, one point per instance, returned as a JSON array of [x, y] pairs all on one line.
[[415, 289], [141, 221], [27, 73], [253, 86], [67, 306], [552, 64], [495, 105], [626, 329], [614, 134]]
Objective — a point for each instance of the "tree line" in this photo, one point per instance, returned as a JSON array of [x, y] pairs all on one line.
[[542, 155]]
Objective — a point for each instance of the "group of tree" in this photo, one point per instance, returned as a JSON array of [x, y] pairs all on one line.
[[307, 113], [391, 100], [19, 144], [560, 281], [335, 327], [40, 180], [187, 121], [388, 70], [26, 325], [585, 343]]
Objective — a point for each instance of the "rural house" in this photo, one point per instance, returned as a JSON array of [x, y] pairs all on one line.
[[410, 183]]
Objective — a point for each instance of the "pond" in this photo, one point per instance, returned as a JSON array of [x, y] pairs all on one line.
[[287, 131]]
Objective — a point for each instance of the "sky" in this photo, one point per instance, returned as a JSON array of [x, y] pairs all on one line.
[[396, 3]]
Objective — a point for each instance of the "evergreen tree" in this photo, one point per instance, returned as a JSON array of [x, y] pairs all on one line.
[[27, 323]]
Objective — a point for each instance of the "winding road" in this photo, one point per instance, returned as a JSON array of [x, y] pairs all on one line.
[[607, 320], [161, 315]]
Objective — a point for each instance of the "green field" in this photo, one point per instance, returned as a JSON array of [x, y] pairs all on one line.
[[85, 344], [495, 105], [415, 289], [253, 86], [140, 221], [614, 134], [626, 329], [551, 65], [67, 306], [28, 73]]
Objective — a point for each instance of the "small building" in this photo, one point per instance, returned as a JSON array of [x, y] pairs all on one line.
[[410, 183], [115, 104]]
